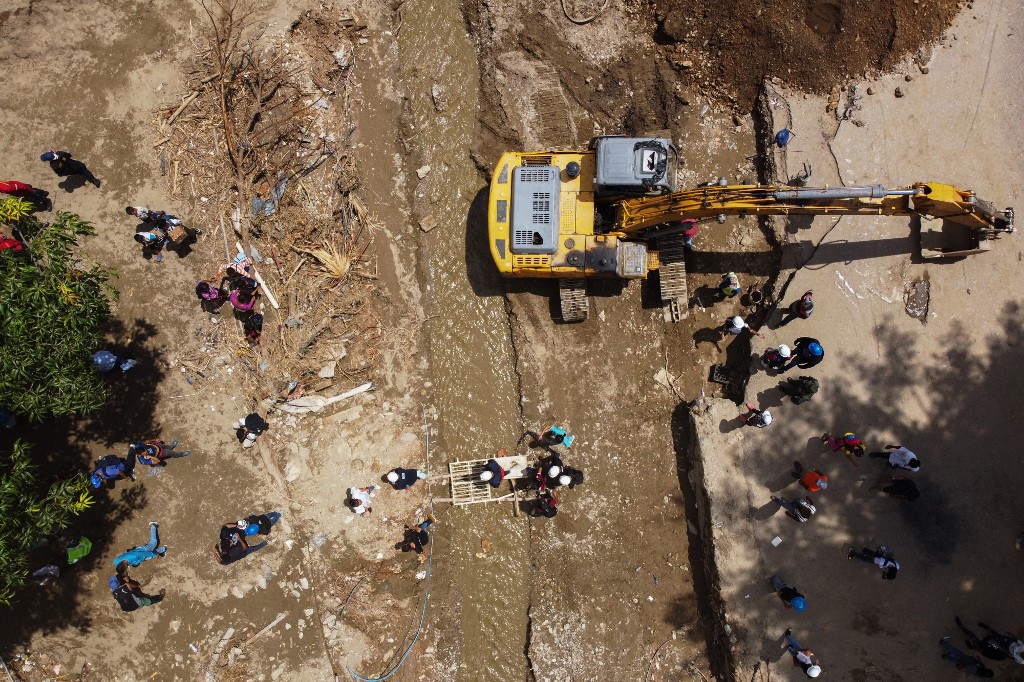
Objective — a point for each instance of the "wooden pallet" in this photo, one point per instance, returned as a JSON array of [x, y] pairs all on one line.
[[466, 486]]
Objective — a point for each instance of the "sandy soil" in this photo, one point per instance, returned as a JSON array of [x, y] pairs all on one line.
[[604, 590]]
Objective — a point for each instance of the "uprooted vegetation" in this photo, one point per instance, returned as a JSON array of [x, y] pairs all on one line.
[[258, 150]]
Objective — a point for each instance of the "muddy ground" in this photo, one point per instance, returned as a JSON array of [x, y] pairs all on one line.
[[604, 591]]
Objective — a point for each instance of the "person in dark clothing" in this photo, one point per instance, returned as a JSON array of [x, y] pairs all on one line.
[[417, 537], [155, 452], [900, 488], [1008, 642], [789, 595], [400, 479], [545, 505], [798, 510], [232, 545], [493, 473], [802, 308], [575, 477], [881, 557], [129, 595], [799, 390], [964, 663], [807, 352], [64, 166], [986, 647], [249, 427]]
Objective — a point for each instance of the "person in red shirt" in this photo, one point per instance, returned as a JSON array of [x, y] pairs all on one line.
[[811, 479], [22, 190]]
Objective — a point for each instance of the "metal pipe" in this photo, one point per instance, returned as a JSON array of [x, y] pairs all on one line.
[[869, 192]]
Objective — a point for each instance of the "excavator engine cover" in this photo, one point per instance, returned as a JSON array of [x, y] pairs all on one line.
[[633, 166], [536, 191]]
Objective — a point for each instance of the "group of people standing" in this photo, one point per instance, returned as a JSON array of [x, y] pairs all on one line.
[[806, 353]]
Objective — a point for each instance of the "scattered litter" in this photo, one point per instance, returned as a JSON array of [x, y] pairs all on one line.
[[428, 223], [422, 172], [421, 575], [776, 541], [318, 540], [193, 647]]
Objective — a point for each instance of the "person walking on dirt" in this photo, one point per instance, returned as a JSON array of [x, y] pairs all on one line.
[[899, 458], [800, 510], [775, 359], [155, 452], [802, 308], [249, 427], [900, 488], [64, 166], [136, 555], [493, 473], [802, 658], [161, 219], [244, 301], [987, 647], [400, 479], [758, 418], [813, 480], [359, 499], [39, 197], [129, 595], [790, 596], [807, 352], [1010, 643], [881, 557], [969, 665], [849, 443], [690, 229], [799, 390]]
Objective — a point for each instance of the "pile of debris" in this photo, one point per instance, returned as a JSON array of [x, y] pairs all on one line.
[[257, 153]]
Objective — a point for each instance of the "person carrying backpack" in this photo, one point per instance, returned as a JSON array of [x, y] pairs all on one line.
[[129, 595], [799, 390], [111, 468], [155, 452], [775, 358]]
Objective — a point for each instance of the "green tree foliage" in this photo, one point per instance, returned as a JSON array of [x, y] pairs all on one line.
[[52, 311], [29, 513]]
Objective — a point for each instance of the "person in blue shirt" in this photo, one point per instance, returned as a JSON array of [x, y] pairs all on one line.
[[136, 555]]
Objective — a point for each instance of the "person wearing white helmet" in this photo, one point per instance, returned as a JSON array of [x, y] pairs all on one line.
[[775, 358], [758, 418], [802, 658], [400, 479], [493, 473], [737, 325]]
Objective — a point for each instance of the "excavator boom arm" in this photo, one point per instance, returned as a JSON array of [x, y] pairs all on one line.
[[933, 200]]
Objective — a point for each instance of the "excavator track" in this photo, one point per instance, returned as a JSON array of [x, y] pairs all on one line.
[[572, 296], [672, 275]]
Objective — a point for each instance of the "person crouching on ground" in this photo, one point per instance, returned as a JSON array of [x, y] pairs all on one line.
[[249, 427], [400, 479], [359, 499], [232, 545]]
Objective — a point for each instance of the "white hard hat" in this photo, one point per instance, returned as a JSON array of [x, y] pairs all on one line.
[[784, 350], [564, 479], [738, 322], [241, 523], [814, 671], [393, 476], [486, 475], [554, 471]]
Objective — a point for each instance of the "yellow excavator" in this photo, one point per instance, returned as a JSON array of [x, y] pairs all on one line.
[[612, 211]]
